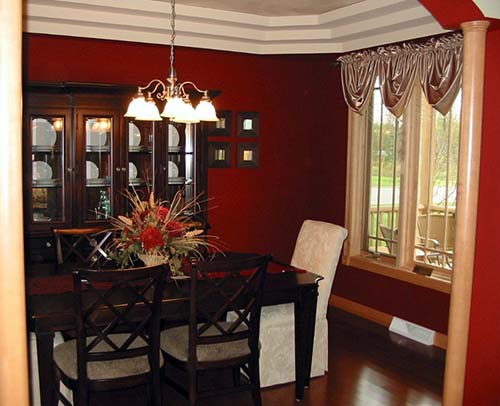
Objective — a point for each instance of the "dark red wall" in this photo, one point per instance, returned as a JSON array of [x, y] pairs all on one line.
[[483, 371], [410, 302], [303, 147], [302, 123]]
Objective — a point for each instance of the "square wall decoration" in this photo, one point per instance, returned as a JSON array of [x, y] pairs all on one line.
[[248, 155], [223, 127], [219, 155], [247, 124]]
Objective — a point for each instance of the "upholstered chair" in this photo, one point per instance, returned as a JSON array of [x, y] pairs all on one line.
[[317, 250]]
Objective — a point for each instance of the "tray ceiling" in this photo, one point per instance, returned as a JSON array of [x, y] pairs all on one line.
[[251, 26]]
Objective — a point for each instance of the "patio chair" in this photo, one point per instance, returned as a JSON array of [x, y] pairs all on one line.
[[390, 237]]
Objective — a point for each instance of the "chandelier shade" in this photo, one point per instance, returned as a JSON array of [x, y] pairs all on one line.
[[205, 111], [136, 105], [186, 114], [148, 112], [172, 107], [178, 105]]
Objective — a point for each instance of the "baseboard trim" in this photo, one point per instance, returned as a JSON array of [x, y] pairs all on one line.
[[376, 316]]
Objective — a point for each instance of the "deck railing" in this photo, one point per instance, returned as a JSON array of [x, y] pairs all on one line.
[[435, 233]]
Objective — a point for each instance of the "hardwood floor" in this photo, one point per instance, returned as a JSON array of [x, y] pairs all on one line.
[[368, 366]]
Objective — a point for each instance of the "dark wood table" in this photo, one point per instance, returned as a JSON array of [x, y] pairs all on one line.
[[51, 310]]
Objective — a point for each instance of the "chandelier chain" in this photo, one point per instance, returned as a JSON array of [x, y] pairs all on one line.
[[172, 39], [178, 107]]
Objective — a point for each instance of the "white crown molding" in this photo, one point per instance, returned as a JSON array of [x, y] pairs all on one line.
[[361, 25], [490, 8]]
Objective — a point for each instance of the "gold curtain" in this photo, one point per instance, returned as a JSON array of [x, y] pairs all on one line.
[[436, 64]]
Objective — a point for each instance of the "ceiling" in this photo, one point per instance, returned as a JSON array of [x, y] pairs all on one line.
[[250, 26], [489, 8], [272, 7]]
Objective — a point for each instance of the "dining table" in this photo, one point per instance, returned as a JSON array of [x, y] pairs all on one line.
[[50, 310]]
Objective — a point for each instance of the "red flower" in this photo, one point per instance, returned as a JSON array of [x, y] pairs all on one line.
[[175, 228], [163, 212], [151, 238]]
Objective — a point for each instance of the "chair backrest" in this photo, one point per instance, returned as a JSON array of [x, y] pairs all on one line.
[[318, 250], [117, 315], [390, 237], [436, 229], [226, 285], [85, 246]]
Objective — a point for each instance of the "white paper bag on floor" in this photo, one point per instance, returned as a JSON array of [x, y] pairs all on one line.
[[34, 379]]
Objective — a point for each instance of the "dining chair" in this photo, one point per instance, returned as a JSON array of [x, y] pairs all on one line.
[[209, 341], [85, 246], [117, 317], [317, 250]]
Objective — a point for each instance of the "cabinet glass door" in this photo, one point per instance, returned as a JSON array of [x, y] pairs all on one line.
[[181, 160], [140, 146], [47, 155], [98, 167]]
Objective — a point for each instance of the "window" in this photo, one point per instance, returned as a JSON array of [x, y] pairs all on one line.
[[384, 139], [437, 185], [402, 176]]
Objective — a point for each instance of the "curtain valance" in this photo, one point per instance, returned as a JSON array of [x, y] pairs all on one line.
[[436, 64]]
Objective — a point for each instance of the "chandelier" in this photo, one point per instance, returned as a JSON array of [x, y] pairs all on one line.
[[178, 106]]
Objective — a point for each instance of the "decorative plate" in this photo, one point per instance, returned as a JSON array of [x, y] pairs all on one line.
[[92, 170], [132, 171], [41, 171], [96, 138], [173, 136], [134, 135], [44, 132], [173, 170]]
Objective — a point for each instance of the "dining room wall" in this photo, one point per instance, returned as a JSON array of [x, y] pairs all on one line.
[[302, 125], [303, 148]]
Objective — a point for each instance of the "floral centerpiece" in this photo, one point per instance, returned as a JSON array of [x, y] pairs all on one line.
[[158, 232]]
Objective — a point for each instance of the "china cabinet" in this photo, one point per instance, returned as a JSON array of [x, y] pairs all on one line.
[[81, 155]]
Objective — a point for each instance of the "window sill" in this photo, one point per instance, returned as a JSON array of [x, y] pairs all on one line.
[[437, 281]]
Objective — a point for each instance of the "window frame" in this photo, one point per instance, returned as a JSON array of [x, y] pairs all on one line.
[[354, 254]]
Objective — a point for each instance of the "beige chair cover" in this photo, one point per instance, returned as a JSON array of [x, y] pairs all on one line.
[[317, 250]]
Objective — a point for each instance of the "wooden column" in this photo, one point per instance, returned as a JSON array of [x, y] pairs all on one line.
[[468, 181], [13, 359]]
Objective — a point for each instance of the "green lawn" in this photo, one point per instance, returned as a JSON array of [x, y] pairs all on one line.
[[384, 181]]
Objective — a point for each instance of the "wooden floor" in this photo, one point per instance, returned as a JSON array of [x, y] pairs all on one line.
[[368, 366]]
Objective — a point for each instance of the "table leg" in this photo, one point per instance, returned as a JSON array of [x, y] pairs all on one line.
[[45, 352], [305, 319], [310, 300]]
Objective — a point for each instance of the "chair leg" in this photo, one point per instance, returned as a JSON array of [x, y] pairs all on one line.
[[236, 376], [80, 398], [155, 387], [58, 395], [81, 395], [193, 387], [253, 368]]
